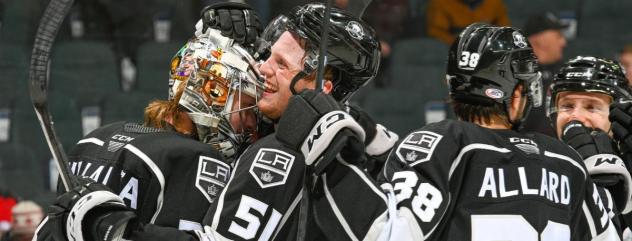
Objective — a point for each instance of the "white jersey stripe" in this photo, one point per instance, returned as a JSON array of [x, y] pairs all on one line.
[[364, 178], [91, 140], [471, 147], [565, 158], [154, 168], [589, 219], [287, 214], [334, 207]]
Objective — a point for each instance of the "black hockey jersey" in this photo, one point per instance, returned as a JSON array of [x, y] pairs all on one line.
[[168, 178], [461, 181]]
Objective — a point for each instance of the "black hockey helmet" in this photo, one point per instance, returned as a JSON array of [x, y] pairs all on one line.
[[486, 63], [353, 49], [588, 74]]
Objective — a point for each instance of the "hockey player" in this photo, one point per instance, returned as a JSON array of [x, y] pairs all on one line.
[[578, 104], [478, 178], [172, 168], [261, 200]]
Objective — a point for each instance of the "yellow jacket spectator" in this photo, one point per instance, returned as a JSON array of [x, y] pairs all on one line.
[[446, 18]]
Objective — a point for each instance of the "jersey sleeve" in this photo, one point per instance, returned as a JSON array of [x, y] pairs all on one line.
[[418, 172], [593, 221], [262, 195]]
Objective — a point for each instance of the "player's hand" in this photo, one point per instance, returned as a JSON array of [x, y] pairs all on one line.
[[621, 119], [90, 212], [235, 20], [605, 167], [378, 141], [315, 124]]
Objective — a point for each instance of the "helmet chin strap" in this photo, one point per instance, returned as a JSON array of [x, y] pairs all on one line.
[[518, 123], [296, 78]]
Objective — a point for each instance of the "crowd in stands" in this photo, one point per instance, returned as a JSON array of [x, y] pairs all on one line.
[[130, 42]]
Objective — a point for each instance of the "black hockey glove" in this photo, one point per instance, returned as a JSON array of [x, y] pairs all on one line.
[[235, 20], [315, 124], [621, 119], [605, 167], [90, 212], [378, 141]]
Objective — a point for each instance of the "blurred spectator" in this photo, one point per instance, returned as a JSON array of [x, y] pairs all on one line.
[[7, 202], [446, 18], [625, 57], [544, 32], [26, 215], [387, 17]]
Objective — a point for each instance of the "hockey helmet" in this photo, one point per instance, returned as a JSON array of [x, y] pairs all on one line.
[[217, 76], [486, 63], [588, 74], [352, 49]]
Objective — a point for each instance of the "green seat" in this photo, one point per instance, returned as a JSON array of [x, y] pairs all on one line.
[[20, 20], [126, 107], [84, 69], [398, 110], [14, 63], [153, 64], [419, 51], [21, 171]]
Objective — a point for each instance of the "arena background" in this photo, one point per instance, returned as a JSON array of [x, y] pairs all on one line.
[[112, 57]]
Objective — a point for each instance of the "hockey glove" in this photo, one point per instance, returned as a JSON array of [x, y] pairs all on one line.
[[235, 20], [604, 166], [315, 125], [378, 141], [621, 119], [90, 212]]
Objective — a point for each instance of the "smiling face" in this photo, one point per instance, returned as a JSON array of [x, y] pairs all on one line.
[[285, 61], [591, 109]]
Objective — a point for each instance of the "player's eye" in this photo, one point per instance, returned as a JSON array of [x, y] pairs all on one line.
[[564, 107]]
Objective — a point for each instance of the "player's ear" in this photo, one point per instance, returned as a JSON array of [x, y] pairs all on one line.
[[517, 99], [328, 86]]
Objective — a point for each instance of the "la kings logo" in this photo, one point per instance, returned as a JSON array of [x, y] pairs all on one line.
[[212, 176], [418, 147], [271, 167]]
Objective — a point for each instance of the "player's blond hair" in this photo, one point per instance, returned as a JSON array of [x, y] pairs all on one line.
[[158, 111]]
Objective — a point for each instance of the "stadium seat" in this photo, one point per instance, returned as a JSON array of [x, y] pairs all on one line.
[[127, 107], [419, 51], [20, 19], [600, 47], [399, 110], [153, 62], [84, 69], [14, 63], [21, 171]]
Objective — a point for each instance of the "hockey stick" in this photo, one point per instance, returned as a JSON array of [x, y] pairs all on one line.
[[355, 8], [303, 212], [48, 27]]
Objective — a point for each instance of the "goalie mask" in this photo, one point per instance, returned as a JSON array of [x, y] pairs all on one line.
[[588, 74], [485, 65], [353, 50], [219, 87]]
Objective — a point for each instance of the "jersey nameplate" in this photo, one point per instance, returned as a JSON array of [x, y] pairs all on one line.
[[418, 147], [271, 167], [212, 176]]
